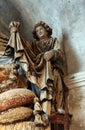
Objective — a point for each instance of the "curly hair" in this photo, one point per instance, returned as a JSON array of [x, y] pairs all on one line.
[[43, 24]]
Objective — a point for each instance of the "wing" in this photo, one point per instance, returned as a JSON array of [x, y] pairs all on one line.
[[3, 42]]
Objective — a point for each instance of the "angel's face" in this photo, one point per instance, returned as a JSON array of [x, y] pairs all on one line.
[[41, 32]]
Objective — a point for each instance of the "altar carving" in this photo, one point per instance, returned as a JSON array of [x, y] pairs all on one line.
[[38, 66]]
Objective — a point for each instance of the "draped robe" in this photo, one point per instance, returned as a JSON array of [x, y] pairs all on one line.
[[46, 75]]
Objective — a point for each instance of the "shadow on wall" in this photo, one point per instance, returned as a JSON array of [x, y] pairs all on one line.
[[72, 64], [9, 12]]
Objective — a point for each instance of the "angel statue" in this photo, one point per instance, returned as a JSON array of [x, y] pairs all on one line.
[[41, 62]]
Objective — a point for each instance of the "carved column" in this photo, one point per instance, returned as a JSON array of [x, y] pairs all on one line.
[[76, 100]]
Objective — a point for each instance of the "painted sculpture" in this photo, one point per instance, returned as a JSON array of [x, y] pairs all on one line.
[[39, 65]]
